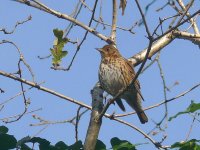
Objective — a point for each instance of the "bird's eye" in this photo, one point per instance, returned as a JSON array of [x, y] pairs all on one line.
[[107, 49]]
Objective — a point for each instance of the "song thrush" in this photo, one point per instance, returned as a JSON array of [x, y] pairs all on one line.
[[115, 74]]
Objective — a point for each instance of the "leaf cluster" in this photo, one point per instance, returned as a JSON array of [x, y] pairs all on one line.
[[57, 51]]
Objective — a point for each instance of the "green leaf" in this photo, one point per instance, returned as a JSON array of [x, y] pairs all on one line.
[[25, 147], [100, 145], [191, 109], [189, 145], [58, 33], [118, 144], [61, 145], [3, 129], [57, 50], [23, 141], [76, 146], [43, 143], [7, 141]]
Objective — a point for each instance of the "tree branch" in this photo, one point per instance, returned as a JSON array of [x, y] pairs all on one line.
[[37, 86], [157, 144], [46, 9], [194, 38], [192, 21], [163, 102], [94, 126], [114, 22], [16, 25], [85, 36]]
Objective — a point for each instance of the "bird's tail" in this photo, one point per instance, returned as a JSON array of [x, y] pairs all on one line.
[[142, 116], [135, 103], [120, 104]]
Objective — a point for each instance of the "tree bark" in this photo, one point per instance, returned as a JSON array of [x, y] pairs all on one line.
[[94, 125]]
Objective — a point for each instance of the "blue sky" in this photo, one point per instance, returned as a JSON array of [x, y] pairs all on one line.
[[180, 61]]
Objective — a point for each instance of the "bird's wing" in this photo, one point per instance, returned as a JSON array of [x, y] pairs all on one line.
[[137, 83]]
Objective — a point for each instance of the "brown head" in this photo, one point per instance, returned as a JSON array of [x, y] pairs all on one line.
[[108, 51]]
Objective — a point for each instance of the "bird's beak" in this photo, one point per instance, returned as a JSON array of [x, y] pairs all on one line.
[[99, 49]]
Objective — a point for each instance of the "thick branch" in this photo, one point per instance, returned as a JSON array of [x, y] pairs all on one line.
[[194, 38], [164, 41], [94, 126], [160, 42], [156, 47]]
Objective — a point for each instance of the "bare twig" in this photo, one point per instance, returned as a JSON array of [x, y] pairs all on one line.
[[143, 18], [21, 57], [1, 108], [44, 57], [191, 126], [40, 131], [86, 5], [77, 122], [16, 25], [121, 28], [75, 14], [44, 8], [77, 102], [100, 18], [48, 122], [114, 22], [158, 43], [161, 8], [1, 91], [157, 145], [163, 102], [165, 92], [185, 12], [151, 63], [161, 21], [192, 21], [177, 25], [84, 38], [20, 93], [6, 119], [35, 85]]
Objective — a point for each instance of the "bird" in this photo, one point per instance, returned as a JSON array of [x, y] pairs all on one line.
[[115, 74]]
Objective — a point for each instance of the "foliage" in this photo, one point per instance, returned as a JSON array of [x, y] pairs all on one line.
[[9, 142], [189, 145], [118, 144], [193, 107], [57, 50], [6, 141]]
